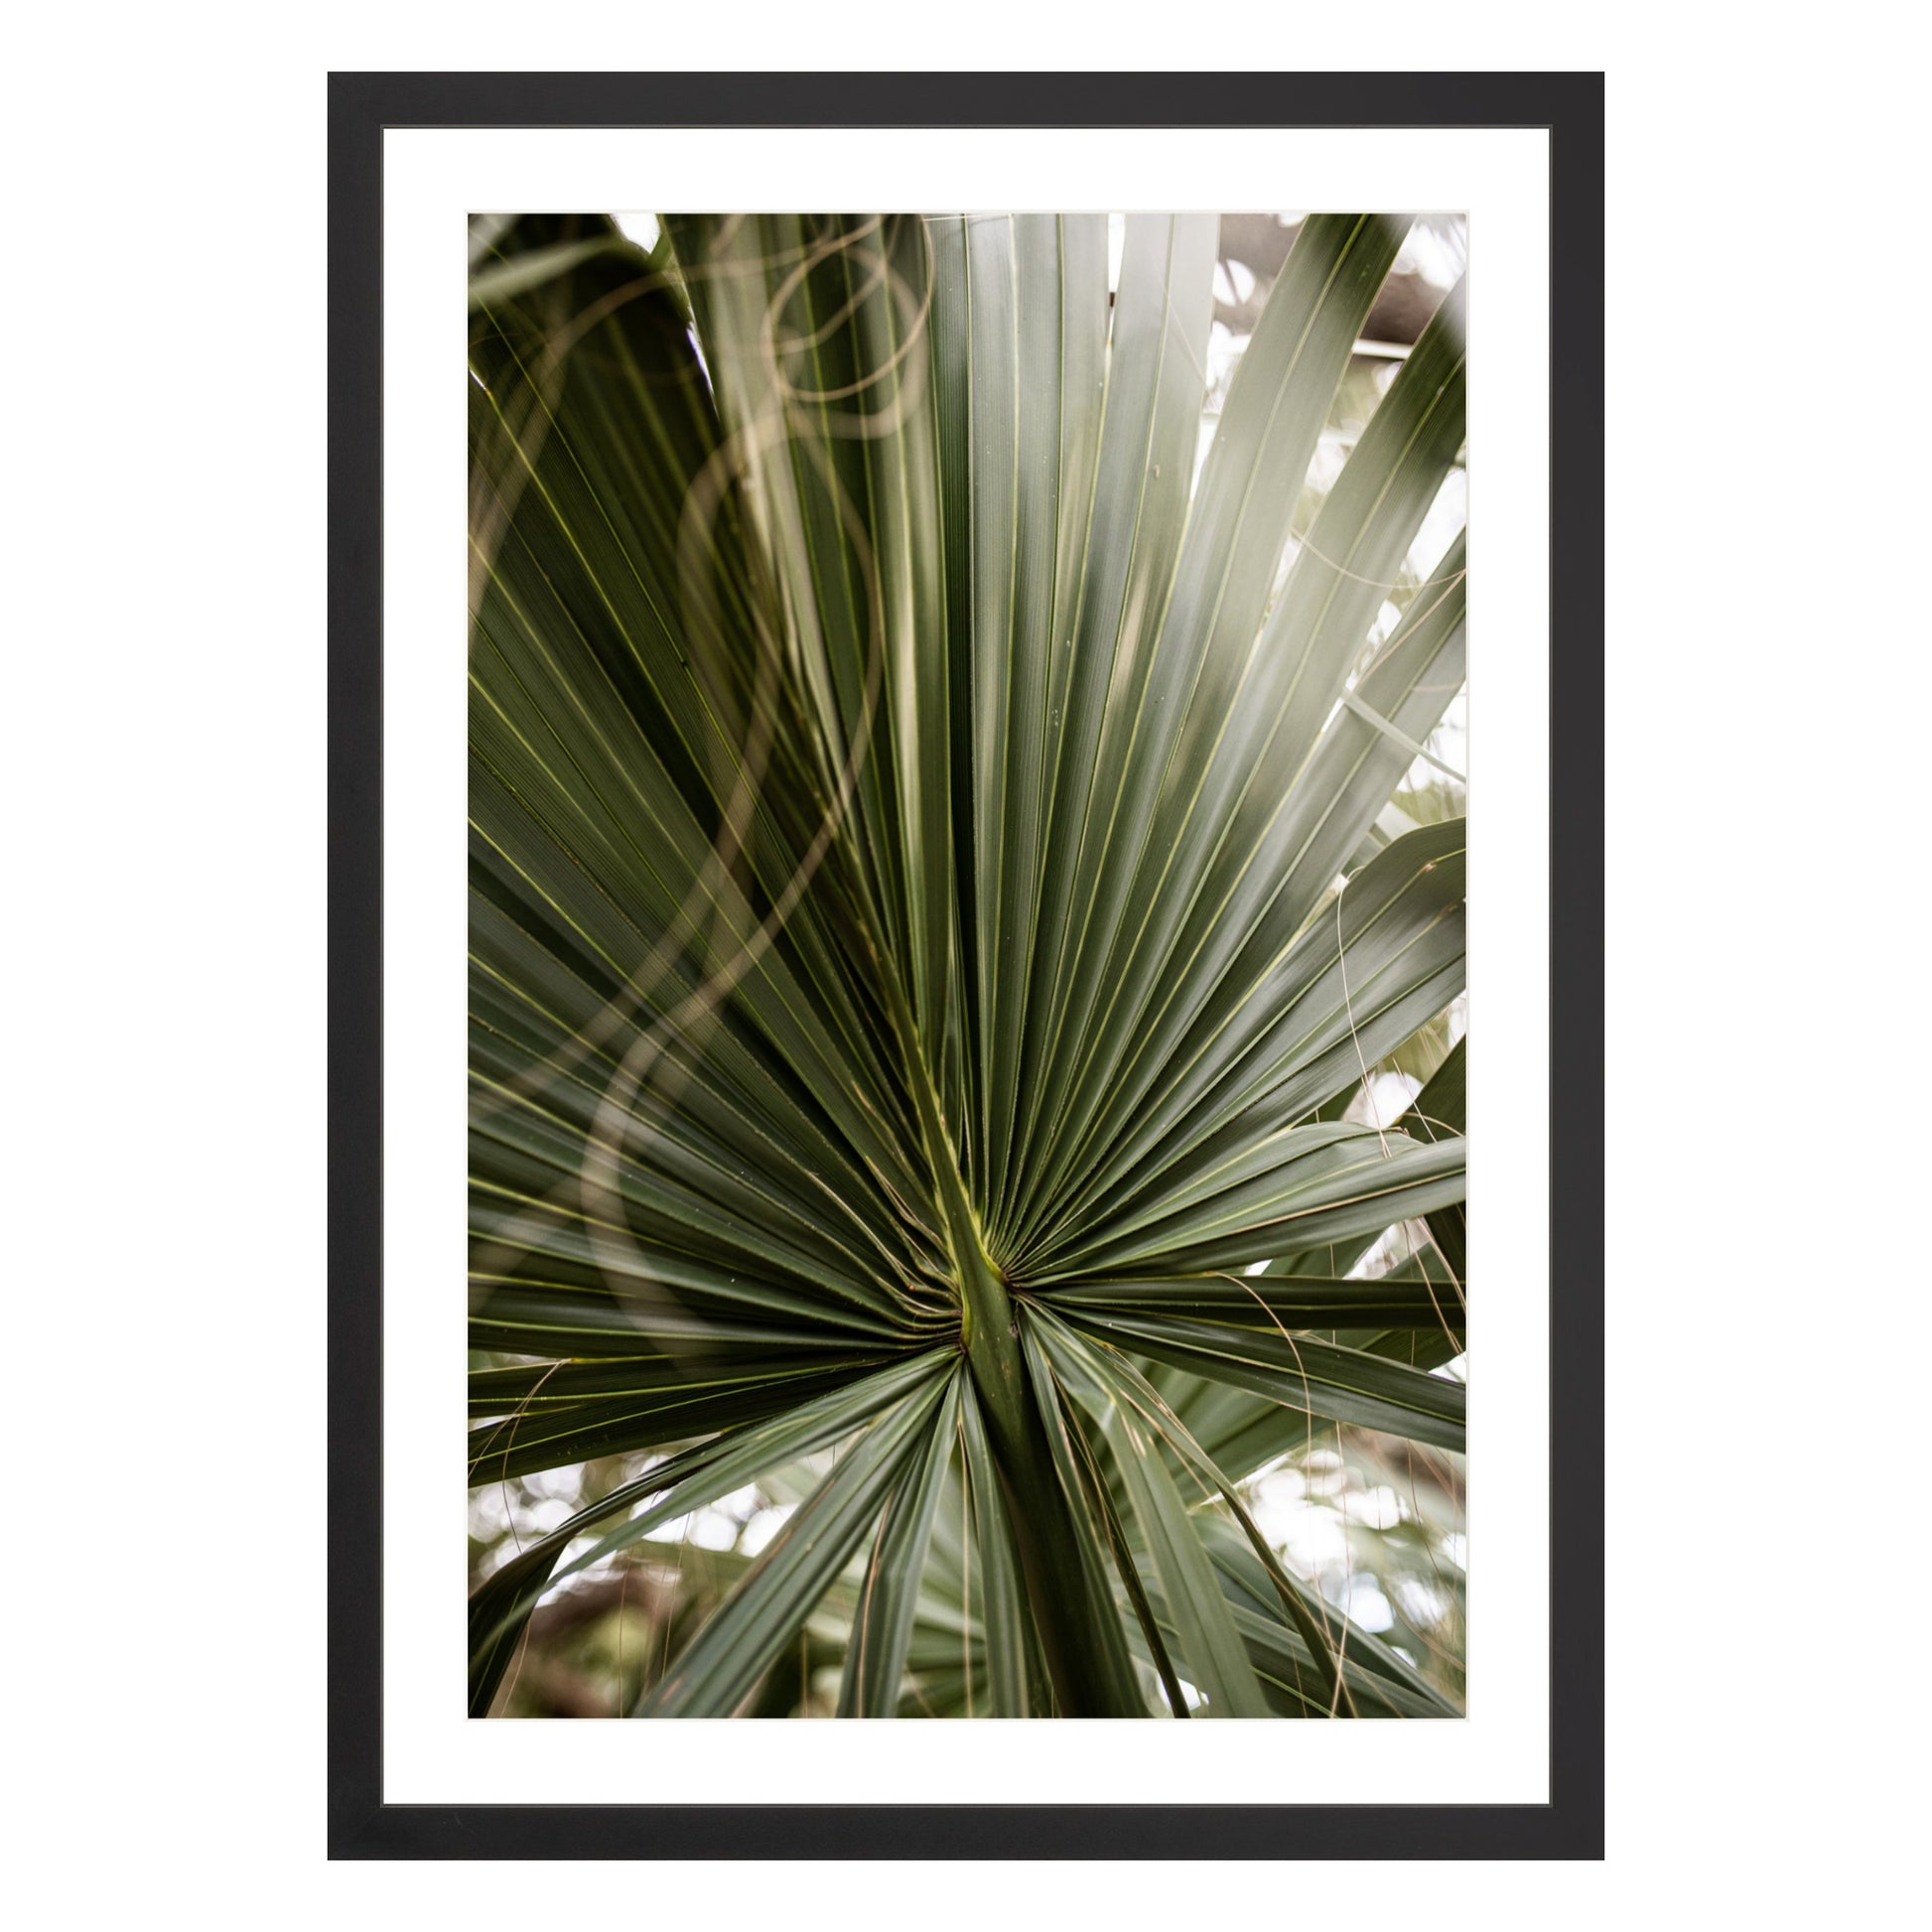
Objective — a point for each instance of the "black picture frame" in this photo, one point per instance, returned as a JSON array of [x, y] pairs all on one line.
[[360, 1824]]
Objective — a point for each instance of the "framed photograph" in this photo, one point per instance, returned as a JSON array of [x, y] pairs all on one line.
[[909, 899]]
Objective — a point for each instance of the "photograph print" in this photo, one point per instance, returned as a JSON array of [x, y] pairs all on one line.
[[967, 796]]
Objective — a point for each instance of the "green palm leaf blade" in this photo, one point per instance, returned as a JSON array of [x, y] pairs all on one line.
[[572, 1313], [1236, 528], [1127, 1388], [683, 1392], [591, 757], [1121, 555], [623, 887], [1353, 1669], [502, 1605], [1348, 990], [1242, 1431], [702, 1189], [1438, 1270], [1210, 1645], [1402, 1299], [1088, 1556], [1300, 1372], [1425, 1345], [1100, 1502], [822, 338], [1300, 1188], [1019, 334], [889, 1593], [724, 1661], [550, 1028], [1010, 1638], [907, 972], [1380, 1683], [1305, 836], [1439, 1110], [1252, 716]]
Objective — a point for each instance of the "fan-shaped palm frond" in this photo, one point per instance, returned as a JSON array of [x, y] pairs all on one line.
[[913, 988]]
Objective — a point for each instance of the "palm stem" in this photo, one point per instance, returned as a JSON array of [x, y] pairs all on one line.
[[1090, 1680]]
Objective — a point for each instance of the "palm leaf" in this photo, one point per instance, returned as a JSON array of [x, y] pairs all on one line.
[[912, 979]]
